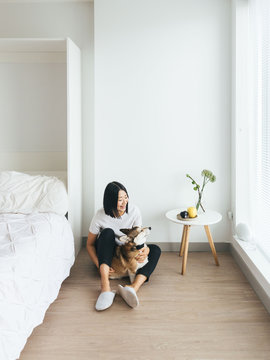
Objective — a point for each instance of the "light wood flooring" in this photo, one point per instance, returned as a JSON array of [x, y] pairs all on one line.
[[211, 313]]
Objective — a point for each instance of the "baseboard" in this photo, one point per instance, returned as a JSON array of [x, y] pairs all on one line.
[[193, 246], [256, 285]]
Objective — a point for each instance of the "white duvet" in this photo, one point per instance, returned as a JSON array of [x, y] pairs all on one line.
[[25, 194], [36, 254]]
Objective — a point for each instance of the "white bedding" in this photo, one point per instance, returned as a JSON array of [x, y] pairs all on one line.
[[23, 193], [36, 254]]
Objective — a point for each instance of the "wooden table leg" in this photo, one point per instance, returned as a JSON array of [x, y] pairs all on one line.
[[185, 245], [183, 240], [211, 242]]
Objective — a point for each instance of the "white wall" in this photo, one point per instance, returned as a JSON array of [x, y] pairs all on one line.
[[162, 98], [61, 20], [162, 105], [33, 107]]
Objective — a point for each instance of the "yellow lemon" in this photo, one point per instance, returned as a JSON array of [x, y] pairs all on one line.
[[192, 212]]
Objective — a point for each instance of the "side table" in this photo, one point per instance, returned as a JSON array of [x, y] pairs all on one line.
[[206, 218]]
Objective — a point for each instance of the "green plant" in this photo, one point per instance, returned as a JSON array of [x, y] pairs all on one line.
[[208, 176]]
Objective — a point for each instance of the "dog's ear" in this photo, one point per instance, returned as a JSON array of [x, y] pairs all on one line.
[[125, 231]]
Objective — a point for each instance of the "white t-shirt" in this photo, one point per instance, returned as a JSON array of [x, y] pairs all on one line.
[[102, 221]]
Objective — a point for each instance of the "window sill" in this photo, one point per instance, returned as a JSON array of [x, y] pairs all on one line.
[[256, 263]]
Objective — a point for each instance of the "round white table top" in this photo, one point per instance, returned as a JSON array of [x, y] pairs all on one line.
[[204, 218]]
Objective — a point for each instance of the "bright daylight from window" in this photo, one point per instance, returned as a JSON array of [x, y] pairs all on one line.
[[259, 36]]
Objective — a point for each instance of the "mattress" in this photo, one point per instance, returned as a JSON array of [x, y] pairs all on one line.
[[36, 254]]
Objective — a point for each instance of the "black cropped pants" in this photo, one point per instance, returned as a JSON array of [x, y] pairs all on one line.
[[105, 248]]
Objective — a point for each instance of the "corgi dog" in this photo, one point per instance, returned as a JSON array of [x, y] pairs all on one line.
[[124, 261]]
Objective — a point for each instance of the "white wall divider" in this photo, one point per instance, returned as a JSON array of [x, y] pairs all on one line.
[[240, 113], [40, 113], [74, 136]]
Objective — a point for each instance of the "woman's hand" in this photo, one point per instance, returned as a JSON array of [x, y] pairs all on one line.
[[143, 254]]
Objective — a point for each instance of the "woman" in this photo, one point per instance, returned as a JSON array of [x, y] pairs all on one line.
[[103, 235]]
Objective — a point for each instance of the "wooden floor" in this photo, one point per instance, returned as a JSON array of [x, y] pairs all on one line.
[[211, 313]]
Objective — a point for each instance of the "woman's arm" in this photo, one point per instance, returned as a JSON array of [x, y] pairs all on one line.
[[90, 246]]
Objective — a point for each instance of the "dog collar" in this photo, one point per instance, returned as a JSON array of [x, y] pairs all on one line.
[[138, 247]]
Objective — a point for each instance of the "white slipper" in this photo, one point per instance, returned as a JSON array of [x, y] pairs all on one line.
[[129, 295], [105, 300]]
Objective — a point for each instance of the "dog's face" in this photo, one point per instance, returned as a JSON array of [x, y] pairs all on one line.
[[135, 235]]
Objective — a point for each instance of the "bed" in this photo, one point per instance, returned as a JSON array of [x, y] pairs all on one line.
[[36, 254]]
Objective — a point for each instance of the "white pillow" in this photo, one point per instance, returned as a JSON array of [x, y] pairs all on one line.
[[22, 193]]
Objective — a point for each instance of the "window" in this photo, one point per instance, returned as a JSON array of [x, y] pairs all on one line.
[[259, 121]]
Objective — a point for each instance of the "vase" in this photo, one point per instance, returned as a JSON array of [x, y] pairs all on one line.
[[199, 203]]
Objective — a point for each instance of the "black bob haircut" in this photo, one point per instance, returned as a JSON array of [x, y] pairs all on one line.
[[110, 198]]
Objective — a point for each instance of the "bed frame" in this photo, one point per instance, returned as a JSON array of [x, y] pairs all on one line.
[[40, 114]]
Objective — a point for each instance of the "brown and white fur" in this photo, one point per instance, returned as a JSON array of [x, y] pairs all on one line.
[[124, 261]]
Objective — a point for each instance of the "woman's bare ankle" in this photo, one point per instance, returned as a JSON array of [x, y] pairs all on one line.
[[105, 285], [105, 288], [133, 287]]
